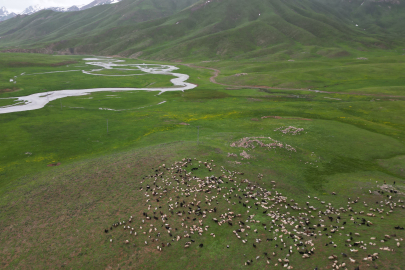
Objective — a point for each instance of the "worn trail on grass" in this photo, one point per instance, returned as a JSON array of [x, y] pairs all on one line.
[[39, 100], [217, 72]]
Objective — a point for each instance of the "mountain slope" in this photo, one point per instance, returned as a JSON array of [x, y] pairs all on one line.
[[176, 29], [374, 16], [48, 26]]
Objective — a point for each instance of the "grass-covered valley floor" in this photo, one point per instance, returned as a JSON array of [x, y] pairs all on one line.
[[309, 143]]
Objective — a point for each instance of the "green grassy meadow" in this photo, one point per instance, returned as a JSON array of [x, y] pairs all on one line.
[[353, 140]]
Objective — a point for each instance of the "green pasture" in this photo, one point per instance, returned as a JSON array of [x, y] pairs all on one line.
[[55, 216], [119, 72], [8, 101], [53, 73], [378, 75]]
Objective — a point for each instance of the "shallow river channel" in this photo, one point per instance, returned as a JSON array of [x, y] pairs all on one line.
[[39, 100]]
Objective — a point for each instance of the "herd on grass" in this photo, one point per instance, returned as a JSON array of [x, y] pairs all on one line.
[[266, 142], [185, 210]]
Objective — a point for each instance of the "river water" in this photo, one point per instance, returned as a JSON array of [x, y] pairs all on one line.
[[39, 100]]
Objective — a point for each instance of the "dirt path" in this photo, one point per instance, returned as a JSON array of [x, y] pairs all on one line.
[[217, 72], [212, 79]]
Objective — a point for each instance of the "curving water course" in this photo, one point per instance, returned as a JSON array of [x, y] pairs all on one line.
[[39, 100]]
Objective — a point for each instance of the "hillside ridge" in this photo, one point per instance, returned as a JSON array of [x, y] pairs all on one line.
[[182, 29]]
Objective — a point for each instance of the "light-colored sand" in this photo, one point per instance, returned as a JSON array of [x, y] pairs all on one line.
[[39, 100]]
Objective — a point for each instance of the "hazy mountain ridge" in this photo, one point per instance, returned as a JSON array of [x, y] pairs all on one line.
[[36, 8], [5, 14]]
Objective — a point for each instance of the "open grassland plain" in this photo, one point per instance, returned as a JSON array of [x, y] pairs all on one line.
[[280, 156], [362, 73]]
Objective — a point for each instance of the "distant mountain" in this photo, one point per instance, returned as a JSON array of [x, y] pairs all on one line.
[[83, 7], [64, 9], [5, 14], [214, 29], [34, 9], [31, 10], [99, 3]]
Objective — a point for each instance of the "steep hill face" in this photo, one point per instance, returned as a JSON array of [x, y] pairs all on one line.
[[245, 28], [48, 28], [177, 29], [379, 17]]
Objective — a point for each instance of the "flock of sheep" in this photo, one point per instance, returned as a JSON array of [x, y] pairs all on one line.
[[183, 209]]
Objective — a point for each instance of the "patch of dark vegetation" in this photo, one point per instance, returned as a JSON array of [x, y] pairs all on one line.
[[32, 64], [317, 177], [282, 96], [205, 94]]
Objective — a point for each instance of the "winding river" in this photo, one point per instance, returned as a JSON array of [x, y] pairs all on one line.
[[39, 100]]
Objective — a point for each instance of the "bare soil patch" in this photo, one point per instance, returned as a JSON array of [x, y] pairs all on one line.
[[8, 90], [53, 164]]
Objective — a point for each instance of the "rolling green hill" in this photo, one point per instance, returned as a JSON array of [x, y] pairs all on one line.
[[184, 29]]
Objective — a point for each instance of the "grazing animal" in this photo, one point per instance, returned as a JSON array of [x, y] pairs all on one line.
[[254, 197]]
